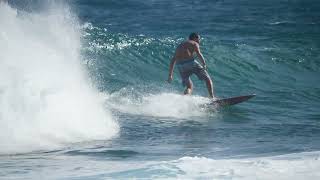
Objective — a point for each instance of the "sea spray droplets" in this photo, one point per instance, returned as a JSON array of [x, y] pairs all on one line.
[[158, 105], [46, 99]]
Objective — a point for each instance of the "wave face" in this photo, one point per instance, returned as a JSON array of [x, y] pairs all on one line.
[[46, 98], [281, 68], [267, 48]]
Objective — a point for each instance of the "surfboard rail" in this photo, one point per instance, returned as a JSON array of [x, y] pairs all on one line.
[[232, 100]]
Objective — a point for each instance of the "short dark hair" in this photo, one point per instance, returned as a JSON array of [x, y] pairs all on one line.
[[193, 36]]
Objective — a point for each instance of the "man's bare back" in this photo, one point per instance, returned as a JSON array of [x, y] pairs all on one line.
[[185, 50]]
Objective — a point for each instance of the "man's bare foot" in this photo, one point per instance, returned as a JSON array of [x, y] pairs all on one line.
[[188, 91]]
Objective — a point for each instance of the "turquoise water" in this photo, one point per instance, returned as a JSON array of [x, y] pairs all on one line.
[[83, 90]]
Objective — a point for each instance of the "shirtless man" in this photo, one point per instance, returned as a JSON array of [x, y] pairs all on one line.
[[184, 58]]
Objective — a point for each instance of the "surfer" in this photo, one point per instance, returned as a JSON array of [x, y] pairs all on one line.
[[187, 65]]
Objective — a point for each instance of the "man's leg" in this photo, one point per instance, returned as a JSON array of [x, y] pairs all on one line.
[[189, 88], [209, 86], [203, 75]]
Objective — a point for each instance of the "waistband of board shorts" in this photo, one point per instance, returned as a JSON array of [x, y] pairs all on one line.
[[182, 62]]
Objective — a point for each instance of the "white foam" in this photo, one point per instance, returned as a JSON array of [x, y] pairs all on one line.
[[158, 105], [295, 166], [46, 99], [285, 167]]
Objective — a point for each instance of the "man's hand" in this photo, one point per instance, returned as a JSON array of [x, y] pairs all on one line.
[[170, 79]]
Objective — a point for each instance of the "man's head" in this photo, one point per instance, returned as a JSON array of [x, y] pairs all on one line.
[[194, 37]]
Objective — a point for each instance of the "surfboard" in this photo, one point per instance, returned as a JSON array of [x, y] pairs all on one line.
[[231, 101]]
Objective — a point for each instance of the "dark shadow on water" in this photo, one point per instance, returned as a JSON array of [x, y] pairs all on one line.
[[112, 154]]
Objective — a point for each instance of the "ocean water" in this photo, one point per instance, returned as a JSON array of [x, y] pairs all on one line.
[[83, 92]]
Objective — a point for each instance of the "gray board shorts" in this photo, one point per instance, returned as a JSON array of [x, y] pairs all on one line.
[[189, 67]]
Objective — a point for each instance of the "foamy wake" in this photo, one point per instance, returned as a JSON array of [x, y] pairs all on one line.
[[46, 99], [157, 105]]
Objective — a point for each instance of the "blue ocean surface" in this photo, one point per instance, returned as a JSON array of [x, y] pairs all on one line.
[[83, 91]]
